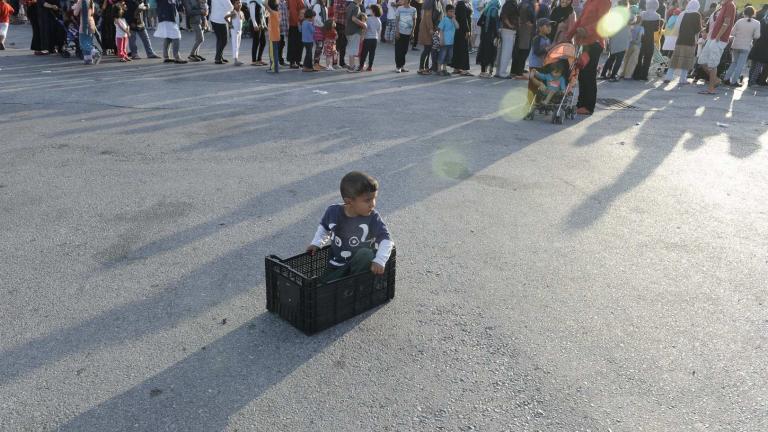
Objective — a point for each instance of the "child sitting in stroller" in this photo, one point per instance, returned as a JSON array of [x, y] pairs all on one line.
[[550, 84]]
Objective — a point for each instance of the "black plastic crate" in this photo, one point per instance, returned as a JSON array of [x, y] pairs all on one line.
[[295, 293]]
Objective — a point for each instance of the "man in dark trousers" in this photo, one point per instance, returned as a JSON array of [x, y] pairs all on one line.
[[586, 35]]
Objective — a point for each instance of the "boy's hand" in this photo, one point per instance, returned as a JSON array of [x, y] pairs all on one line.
[[377, 269], [312, 249]]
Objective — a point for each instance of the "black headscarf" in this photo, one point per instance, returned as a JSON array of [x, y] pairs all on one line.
[[560, 14]]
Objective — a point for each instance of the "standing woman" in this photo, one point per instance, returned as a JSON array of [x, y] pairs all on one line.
[[525, 30], [52, 32], [684, 54], [651, 24], [489, 32], [431, 14], [32, 9], [564, 18], [671, 30], [168, 29], [460, 62], [107, 28]]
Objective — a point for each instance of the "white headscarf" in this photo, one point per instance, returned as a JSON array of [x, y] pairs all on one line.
[[692, 6], [650, 11]]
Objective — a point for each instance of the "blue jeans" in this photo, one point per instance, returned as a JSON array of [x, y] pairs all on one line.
[[739, 60], [132, 46], [445, 55]]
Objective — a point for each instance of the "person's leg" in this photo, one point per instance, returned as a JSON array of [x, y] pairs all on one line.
[[341, 44], [741, 61], [144, 35], [754, 73], [617, 64], [588, 80], [255, 46], [308, 55], [199, 38], [507, 45], [262, 43], [176, 43], [364, 52], [417, 6], [166, 47], [235, 36], [361, 261], [608, 65], [133, 49], [220, 30], [372, 52], [423, 60], [631, 61], [318, 51], [433, 57]]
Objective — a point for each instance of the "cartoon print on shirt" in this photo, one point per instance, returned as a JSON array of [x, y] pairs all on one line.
[[354, 242]]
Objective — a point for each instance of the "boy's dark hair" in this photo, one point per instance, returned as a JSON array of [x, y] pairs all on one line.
[[357, 183], [272, 4], [449, 7], [328, 25], [309, 13], [376, 9], [749, 11]]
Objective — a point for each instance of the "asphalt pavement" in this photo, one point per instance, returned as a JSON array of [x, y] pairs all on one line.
[[607, 274]]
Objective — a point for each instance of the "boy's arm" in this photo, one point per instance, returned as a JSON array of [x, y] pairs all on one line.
[[385, 245], [322, 238]]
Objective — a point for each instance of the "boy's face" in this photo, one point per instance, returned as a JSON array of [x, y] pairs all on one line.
[[450, 13], [557, 73], [362, 205], [545, 29]]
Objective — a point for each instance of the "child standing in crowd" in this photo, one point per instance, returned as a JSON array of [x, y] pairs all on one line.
[[540, 44], [447, 29], [274, 36], [152, 14], [356, 42], [235, 21], [308, 39], [321, 15], [329, 45], [632, 54], [371, 41], [122, 32], [744, 32], [405, 21], [359, 238], [5, 19]]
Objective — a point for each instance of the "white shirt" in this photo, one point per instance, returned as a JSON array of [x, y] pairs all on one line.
[[318, 20], [744, 32], [219, 8], [237, 22], [119, 32]]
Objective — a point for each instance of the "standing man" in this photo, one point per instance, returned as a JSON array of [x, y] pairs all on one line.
[[340, 16], [196, 11], [220, 9], [586, 35], [719, 34], [295, 46], [354, 30]]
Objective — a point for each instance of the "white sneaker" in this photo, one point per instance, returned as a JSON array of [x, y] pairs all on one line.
[[329, 68]]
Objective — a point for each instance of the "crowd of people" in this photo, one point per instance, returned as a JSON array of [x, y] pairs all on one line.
[[676, 39]]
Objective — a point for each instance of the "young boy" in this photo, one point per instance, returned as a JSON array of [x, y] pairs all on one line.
[[447, 29], [235, 20], [354, 230], [273, 24], [308, 40], [540, 44], [550, 84]]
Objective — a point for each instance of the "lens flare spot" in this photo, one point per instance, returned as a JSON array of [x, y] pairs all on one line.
[[615, 20], [449, 163], [514, 104]]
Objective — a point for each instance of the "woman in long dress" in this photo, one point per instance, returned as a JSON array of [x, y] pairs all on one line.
[[460, 62], [33, 9], [107, 40], [431, 14], [684, 55], [489, 32]]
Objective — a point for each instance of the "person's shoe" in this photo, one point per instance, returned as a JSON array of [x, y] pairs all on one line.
[[583, 111], [238, 63], [369, 69], [180, 61], [88, 62], [726, 82], [193, 59], [96, 57], [282, 62], [666, 81], [218, 62], [135, 57], [445, 73], [404, 70], [398, 70], [308, 70], [153, 56], [329, 68], [294, 66], [224, 60], [337, 67], [318, 68], [201, 58], [169, 61]]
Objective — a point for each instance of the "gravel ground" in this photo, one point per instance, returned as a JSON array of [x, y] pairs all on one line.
[[607, 274]]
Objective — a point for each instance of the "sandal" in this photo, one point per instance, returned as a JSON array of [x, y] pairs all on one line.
[[466, 73]]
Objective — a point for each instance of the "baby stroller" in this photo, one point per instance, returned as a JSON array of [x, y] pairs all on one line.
[[72, 41], [560, 105]]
